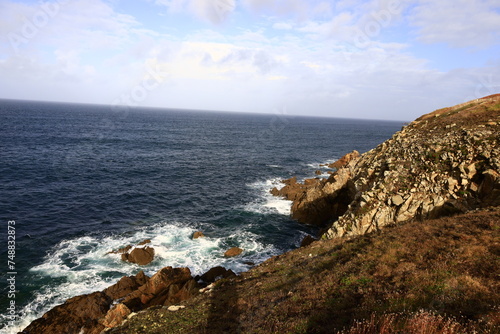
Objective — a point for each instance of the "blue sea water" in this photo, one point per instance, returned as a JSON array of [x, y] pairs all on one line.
[[83, 180]]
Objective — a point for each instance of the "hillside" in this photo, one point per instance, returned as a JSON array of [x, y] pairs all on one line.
[[408, 276], [410, 244]]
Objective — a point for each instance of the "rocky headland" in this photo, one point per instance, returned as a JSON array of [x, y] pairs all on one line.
[[443, 163], [434, 186]]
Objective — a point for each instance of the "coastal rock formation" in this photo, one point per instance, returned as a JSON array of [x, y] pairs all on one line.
[[197, 235], [80, 314], [141, 256], [342, 162], [443, 163], [232, 252], [91, 314]]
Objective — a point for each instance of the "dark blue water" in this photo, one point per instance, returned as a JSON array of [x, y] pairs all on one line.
[[82, 180]]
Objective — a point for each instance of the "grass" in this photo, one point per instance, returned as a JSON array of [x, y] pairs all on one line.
[[436, 276]]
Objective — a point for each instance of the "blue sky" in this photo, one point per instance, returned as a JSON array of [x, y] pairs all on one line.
[[375, 59]]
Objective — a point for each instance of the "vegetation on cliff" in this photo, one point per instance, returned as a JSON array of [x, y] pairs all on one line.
[[437, 276]]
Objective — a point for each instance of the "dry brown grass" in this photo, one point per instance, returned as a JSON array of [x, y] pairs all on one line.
[[422, 322], [438, 276]]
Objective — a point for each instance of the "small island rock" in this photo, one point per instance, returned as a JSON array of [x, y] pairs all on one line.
[[235, 251]]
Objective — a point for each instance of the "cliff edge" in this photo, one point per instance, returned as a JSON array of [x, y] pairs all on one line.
[[443, 163]]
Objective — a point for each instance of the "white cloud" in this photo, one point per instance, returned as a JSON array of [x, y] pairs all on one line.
[[92, 52], [459, 23], [213, 11]]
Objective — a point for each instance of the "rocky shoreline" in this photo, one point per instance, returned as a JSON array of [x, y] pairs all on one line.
[[444, 163]]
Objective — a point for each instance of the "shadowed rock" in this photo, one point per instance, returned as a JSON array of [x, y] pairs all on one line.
[[217, 272]]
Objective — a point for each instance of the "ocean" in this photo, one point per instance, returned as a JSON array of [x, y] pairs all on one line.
[[78, 181]]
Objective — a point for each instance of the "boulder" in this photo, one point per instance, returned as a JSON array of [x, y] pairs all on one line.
[[217, 272], [397, 200], [116, 315], [235, 251], [197, 235], [141, 256]]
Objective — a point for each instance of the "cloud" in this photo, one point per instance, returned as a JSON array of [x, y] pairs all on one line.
[[213, 11], [459, 23]]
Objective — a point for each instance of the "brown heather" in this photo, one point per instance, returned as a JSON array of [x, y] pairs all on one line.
[[436, 276]]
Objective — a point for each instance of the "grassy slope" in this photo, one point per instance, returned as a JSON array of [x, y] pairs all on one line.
[[449, 266]]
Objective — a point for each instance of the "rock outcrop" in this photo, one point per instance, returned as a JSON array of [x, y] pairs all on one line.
[[197, 235], [141, 256], [232, 252], [80, 314], [91, 314], [443, 163]]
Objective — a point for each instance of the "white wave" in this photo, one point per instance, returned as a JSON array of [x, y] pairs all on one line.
[[84, 265], [267, 203], [321, 165]]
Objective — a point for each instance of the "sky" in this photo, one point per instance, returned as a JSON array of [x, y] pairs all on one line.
[[372, 59]]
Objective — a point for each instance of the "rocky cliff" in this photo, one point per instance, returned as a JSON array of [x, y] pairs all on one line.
[[444, 162]]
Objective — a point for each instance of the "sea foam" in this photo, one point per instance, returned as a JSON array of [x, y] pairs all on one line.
[[84, 265]]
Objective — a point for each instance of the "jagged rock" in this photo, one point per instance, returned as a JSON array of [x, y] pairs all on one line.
[[122, 250], [141, 256], [232, 252], [169, 284], [145, 242], [197, 235], [91, 314], [80, 314], [443, 163], [116, 315], [217, 272], [126, 285], [342, 162], [324, 201]]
